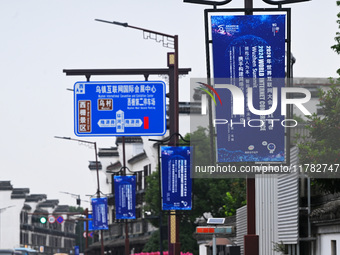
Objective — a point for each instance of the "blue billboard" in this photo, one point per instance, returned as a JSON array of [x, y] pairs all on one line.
[[176, 180], [249, 53], [99, 213], [126, 108], [125, 197]]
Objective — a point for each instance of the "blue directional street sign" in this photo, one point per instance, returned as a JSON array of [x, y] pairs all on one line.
[[119, 108]]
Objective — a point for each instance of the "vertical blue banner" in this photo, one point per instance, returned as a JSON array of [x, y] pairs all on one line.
[[76, 250], [176, 180], [90, 223], [99, 213], [249, 53], [125, 197]]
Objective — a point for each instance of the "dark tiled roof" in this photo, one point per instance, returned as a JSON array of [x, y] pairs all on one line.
[[327, 211], [20, 193], [6, 185], [62, 208], [35, 197], [93, 165], [108, 152], [137, 158], [27, 207], [49, 203], [114, 167], [130, 139]]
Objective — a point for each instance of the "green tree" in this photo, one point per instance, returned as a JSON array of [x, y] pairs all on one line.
[[235, 197], [80, 240], [153, 243], [323, 144], [209, 196], [336, 47]]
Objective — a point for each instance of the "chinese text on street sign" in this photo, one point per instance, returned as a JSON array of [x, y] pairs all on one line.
[[119, 108]]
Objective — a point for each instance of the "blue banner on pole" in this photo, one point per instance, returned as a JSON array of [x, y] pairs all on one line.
[[99, 213], [89, 222], [249, 53], [125, 197], [76, 250], [176, 178]]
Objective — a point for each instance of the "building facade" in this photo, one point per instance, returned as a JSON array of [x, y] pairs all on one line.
[[20, 224]]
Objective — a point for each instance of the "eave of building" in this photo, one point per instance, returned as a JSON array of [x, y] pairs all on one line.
[[93, 165], [62, 208], [108, 152], [19, 193], [311, 82], [6, 185], [27, 207], [35, 197], [49, 203], [137, 158], [326, 212], [115, 167], [129, 139]]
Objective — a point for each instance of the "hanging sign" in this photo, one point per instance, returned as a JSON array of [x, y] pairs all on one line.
[[99, 213], [249, 55], [125, 197], [176, 179]]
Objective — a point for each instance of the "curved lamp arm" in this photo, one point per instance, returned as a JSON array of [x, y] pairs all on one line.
[[207, 2], [283, 1]]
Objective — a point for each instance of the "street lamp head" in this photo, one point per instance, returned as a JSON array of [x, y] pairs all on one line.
[[113, 22], [62, 137]]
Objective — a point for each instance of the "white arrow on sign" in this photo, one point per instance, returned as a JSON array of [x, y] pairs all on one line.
[[107, 123], [127, 123], [133, 123]]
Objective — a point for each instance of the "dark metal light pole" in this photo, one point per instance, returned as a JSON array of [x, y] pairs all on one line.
[[97, 170], [174, 245]]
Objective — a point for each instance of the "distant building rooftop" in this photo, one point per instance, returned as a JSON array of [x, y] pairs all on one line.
[[6, 185]]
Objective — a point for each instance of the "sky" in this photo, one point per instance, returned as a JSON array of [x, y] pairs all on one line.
[[39, 39]]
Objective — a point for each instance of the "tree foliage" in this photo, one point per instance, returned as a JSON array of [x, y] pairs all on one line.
[[219, 197], [323, 144], [336, 47]]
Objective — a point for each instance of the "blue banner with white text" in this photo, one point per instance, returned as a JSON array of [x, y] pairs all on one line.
[[99, 213], [249, 53], [176, 179], [125, 197]]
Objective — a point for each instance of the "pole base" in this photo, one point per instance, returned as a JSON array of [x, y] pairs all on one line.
[[251, 245]]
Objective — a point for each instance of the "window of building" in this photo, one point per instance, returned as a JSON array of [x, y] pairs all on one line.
[[333, 247], [147, 172], [137, 148]]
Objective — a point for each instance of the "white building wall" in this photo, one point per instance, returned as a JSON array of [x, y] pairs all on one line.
[[266, 212], [325, 244], [203, 249], [10, 220], [241, 227]]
